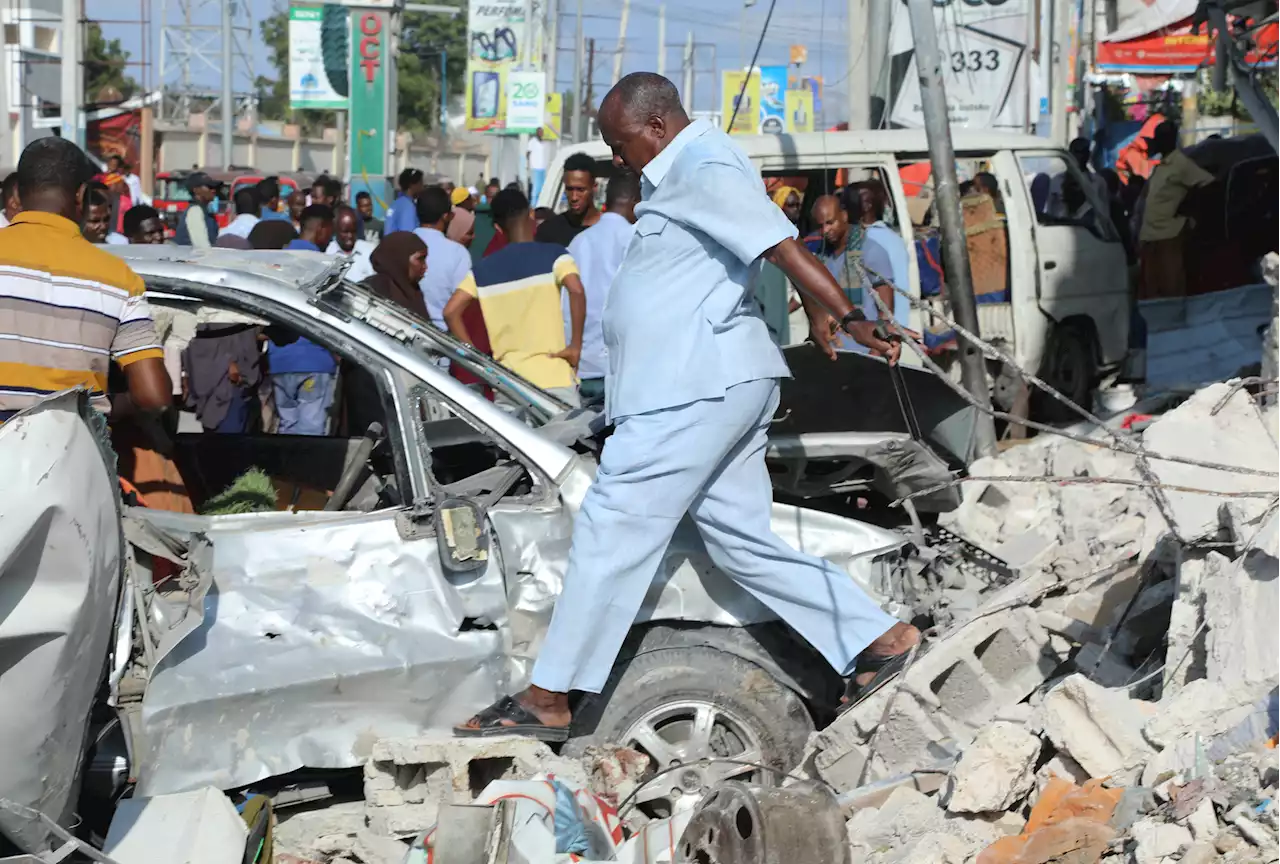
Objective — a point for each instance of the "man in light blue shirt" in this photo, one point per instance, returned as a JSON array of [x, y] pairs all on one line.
[[402, 215], [884, 254], [599, 251], [448, 261], [692, 388]]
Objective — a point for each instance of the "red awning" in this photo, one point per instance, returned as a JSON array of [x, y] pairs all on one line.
[[1175, 49]]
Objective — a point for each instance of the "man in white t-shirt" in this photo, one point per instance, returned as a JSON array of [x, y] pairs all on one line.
[[536, 155]]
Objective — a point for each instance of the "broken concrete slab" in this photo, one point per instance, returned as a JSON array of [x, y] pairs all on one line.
[[1100, 729], [1062, 766], [1154, 841], [1205, 707], [994, 772], [1185, 654], [1240, 620], [406, 780], [1203, 822], [1235, 436]]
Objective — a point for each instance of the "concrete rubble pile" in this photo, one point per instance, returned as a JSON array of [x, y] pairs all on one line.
[[1116, 702], [1119, 701]]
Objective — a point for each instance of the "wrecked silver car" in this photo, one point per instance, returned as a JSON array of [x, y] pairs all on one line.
[[411, 574]]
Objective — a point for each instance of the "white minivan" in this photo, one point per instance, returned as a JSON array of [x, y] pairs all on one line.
[[1065, 313]]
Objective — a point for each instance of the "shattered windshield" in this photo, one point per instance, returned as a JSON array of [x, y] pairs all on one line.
[[535, 405]]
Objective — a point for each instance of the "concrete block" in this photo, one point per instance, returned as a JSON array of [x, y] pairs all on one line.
[[1101, 729], [994, 772], [1236, 435], [947, 695], [1154, 841], [1200, 853], [1185, 652], [1062, 766]]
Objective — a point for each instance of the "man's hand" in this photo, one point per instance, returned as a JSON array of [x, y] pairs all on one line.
[[572, 355], [864, 333], [233, 373], [822, 332]]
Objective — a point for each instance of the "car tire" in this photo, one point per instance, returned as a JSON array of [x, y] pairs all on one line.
[[683, 703], [1070, 368]]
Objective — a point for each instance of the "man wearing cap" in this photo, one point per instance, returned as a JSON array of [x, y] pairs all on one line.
[[197, 227], [1160, 239], [464, 198]]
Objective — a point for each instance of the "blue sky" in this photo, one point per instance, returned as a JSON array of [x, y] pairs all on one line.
[[819, 24]]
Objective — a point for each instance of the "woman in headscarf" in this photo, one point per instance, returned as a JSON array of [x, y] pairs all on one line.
[[462, 228], [399, 263], [788, 200]]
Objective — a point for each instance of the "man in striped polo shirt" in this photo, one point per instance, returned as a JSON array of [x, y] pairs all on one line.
[[68, 308]]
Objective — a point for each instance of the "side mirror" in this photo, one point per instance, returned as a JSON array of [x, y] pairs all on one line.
[[461, 536]]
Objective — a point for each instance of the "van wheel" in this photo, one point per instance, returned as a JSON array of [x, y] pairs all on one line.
[[681, 705], [1069, 367]]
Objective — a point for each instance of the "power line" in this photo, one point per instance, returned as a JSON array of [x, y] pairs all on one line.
[[754, 57]]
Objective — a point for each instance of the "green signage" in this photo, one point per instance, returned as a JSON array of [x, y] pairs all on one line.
[[368, 144]]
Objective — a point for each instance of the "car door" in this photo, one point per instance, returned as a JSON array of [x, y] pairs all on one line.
[[1081, 269]]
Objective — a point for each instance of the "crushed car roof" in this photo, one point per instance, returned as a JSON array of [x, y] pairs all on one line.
[[287, 268]]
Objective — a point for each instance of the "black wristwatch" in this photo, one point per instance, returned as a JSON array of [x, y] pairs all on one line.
[[855, 314]]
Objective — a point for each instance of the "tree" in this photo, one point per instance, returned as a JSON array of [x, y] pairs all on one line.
[[417, 70], [273, 93], [418, 67], [105, 62]]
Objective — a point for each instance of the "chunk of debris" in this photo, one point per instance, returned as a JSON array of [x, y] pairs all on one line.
[[1100, 729], [996, 771]]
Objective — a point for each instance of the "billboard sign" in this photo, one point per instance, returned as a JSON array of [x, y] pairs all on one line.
[[747, 118], [526, 101], [799, 111], [773, 94], [495, 45], [319, 50]]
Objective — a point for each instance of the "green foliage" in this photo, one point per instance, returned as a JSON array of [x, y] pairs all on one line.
[[417, 69], [418, 65], [1225, 103], [105, 62], [251, 492]]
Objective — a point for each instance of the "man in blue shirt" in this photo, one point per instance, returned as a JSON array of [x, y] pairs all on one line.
[[302, 372], [402, 215], [599, 251], [448, 262], [884, 254], [692, 389]]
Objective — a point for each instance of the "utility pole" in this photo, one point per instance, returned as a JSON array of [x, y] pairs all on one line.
[[72, 73], [688, 75], [552, 29], [526, 62], [622, 42], [859, 76], [879, 23], [933, 102], [228, 100], [577, 78], [586, 97], [662, 39], [1060, 62]]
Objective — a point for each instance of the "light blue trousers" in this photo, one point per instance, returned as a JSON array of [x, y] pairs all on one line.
[[705, 459]]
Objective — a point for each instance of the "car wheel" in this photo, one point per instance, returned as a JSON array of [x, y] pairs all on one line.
[[1069, 368], [682, 705]]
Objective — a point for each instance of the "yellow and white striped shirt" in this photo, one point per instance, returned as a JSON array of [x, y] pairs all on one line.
[[67, 309]]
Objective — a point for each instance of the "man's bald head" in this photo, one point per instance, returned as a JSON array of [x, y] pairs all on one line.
[[832, 219], [639, 117]]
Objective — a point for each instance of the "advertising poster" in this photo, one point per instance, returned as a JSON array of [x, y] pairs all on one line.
[[799, 111], [526, 101], [370, 35], [773, 95], [984, 56], [319, 50], [495, 44], [552, 124], [748, 116]]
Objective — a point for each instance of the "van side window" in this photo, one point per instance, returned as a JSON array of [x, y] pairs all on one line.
[[1063, 195]]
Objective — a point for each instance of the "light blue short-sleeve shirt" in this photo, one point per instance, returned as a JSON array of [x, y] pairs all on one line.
[[448, 263], [681, 323]]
